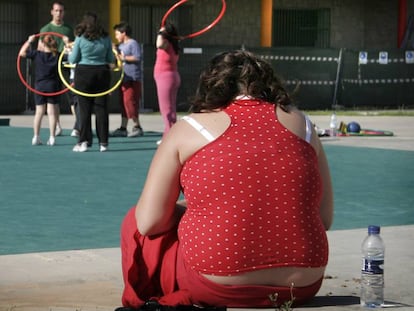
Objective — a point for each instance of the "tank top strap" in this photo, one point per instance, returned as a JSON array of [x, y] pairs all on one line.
[[308, 129], [201, 129]]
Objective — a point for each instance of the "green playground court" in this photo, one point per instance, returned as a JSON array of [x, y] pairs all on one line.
[[53, 199]]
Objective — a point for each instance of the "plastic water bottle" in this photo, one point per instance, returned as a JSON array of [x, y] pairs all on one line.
[[372, 273], [333, 125]]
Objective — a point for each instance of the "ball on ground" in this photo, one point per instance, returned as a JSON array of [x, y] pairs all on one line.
[[353, 127]]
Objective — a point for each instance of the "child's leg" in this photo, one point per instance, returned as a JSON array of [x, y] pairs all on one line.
[[37, 121], [51, 112]]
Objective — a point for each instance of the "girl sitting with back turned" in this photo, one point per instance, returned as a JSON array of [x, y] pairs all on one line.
[[251, 231]]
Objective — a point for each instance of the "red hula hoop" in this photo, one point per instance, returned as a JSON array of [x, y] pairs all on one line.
[[19, 72], [200, 32]]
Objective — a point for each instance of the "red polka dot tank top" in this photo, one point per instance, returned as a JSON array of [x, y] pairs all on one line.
[[253, 198]]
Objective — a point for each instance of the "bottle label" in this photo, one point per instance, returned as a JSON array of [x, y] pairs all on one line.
[[370, 266]]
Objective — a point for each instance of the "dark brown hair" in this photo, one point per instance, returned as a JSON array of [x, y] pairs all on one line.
[[90, 28], [124, 27], [171, 34], [237, 73]]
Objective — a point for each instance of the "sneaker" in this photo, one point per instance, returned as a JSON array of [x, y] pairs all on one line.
[[81, 147], [58, 130], [136, 131], [75, 133], [36, 141], [51, 141], [103, 148], [121, 132]]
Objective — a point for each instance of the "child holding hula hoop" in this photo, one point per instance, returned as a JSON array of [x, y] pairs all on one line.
[[166, 75], [129, 52], [58, 25], [47, 80]]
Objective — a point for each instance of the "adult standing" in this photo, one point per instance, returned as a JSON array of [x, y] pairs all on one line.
[[58, 25], [166, 75], [93, 56], [130, 95]]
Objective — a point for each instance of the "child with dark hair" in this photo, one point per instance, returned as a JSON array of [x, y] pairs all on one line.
[[129, 52], [166, 75]]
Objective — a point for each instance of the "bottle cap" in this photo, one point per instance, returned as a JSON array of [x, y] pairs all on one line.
[[373, 229]]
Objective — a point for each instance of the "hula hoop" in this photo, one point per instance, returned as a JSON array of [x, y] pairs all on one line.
[[19, 72], [118, 60], [118, 63], [200, 32], [70, 87]]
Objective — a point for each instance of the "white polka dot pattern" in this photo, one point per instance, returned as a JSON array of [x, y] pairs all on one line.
[[253, 198]]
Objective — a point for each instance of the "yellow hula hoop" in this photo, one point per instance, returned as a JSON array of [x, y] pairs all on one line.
[[118, 63], [70, 87]]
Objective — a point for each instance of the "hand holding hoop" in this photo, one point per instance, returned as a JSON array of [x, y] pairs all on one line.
[[70, 87], [200, 32], [19, 72]]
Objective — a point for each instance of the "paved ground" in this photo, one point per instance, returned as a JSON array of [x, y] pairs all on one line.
[[91, 279]]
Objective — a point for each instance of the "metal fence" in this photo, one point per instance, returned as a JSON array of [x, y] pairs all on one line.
[[325, 77], [322, 78], [377, 79]]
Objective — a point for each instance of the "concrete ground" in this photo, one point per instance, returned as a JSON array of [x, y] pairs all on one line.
[[91, 279]]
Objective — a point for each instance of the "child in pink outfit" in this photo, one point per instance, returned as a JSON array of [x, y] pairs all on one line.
[[166, 76]]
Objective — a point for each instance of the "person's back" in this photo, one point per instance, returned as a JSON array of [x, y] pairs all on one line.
[[166, 75], [93, 56], [92, 52], [46, 84], [258, 198], [46, 71], [166, 60], [258, 185], [92, 45]]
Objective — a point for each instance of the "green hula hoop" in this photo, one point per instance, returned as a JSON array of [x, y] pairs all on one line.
[[70, 87]]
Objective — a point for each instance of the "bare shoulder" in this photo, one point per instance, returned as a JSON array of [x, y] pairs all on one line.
[[293, 119], [177, 133], [292, 113], [187, 139]]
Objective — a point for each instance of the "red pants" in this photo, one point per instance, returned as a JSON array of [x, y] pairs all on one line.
[[152, 268], [130, 97]]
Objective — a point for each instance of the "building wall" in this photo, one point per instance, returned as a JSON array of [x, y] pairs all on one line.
[[355, 25], [239, 26], [381, 24], [358, 24]]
